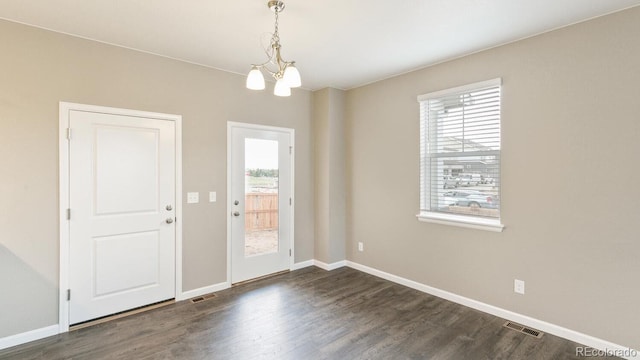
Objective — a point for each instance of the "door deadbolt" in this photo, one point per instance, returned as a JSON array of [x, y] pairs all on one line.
[[169, 207], [236, 202]]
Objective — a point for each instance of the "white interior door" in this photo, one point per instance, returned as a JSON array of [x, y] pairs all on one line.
[[260, 201], [122, 201]]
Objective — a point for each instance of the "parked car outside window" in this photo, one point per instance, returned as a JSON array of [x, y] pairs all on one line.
[[470, 198], [450, 182], [469, 179]]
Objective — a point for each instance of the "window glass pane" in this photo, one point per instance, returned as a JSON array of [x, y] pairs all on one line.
[[465, 185], [261, 197]]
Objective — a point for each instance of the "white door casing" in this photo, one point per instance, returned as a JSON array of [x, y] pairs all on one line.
[[120, 180], [242, 264]]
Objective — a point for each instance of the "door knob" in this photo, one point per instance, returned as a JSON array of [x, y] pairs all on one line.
[[236, 213], [169, 220]]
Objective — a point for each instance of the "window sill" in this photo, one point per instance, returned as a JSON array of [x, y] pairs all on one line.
[[461, 221]]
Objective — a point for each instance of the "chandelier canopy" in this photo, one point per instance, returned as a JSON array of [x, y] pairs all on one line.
[[284, 72]]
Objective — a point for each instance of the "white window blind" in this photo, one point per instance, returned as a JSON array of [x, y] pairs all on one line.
[[460, 152]]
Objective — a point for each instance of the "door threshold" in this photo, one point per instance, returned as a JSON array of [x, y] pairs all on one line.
[[121, 314], [261, 277]]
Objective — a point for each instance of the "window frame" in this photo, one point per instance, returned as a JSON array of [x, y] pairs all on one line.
[[467, 221]]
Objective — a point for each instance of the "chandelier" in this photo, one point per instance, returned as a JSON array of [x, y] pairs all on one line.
[[284, 72]]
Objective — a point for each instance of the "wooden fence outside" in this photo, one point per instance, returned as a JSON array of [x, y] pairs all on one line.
[[261, 211]]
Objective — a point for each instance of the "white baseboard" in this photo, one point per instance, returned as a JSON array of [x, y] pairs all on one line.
[[301, 265], [593, 342], [329, 267], [28, 336], [203, 291]]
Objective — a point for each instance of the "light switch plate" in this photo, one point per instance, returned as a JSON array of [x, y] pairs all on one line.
[[193, 197], [212, 196]]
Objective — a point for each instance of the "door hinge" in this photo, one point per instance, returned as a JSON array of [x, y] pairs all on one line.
[[289, 252], [290, 149], [68, 214], [68, 133], [289, 201], [68, 294]]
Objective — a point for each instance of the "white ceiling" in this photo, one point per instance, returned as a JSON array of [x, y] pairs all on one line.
[[336, 43]]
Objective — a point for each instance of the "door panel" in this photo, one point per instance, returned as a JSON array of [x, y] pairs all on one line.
[[261, 194], [122, 200], [126, 151], [117, 271]]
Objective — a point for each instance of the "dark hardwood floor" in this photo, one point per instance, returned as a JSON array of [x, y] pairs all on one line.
[[305, 314]]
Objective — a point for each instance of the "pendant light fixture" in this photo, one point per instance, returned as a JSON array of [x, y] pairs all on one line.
[[284, 72]]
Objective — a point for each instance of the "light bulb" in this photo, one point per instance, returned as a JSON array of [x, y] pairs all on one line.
[[255, 80], [281, 88], [292, 76]]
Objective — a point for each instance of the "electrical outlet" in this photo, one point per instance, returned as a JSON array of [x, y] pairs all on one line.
[[212, 196], [193, 197], [360, 246], [518, 286]]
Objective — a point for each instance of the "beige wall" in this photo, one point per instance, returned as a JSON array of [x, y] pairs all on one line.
[[570, 176], [330, 176], [40, 69]]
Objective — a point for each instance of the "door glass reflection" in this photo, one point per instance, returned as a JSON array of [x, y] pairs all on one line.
[[261, 197]]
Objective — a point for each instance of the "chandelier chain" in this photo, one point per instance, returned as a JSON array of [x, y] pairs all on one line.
[[276, 36]]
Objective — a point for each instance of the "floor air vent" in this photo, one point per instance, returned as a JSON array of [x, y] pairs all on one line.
[[523, 329], [202, 298]]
